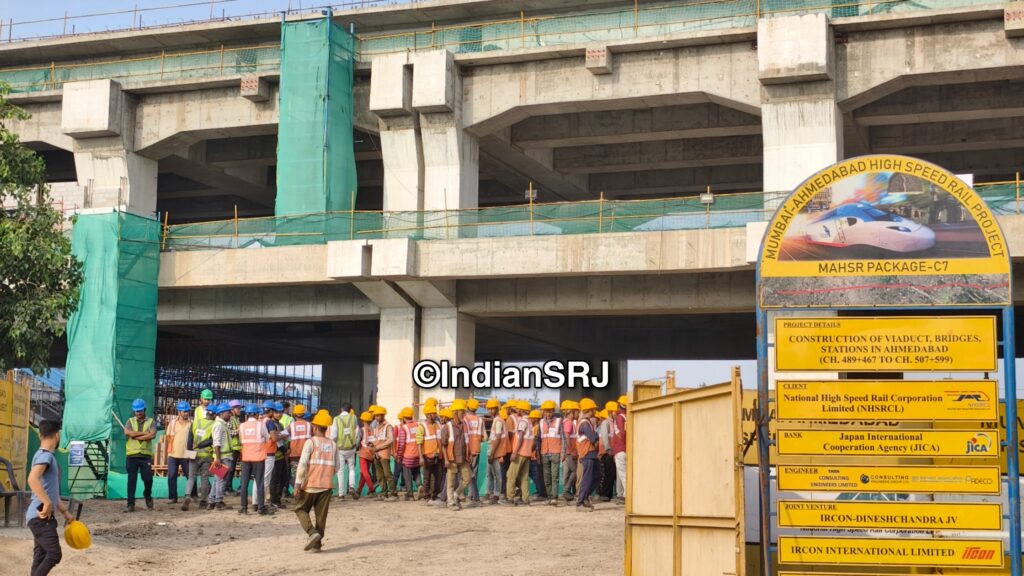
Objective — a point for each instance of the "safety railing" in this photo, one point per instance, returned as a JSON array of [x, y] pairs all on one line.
[[526, 31], [554, 219]]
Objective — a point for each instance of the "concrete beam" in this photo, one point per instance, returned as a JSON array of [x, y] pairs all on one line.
[[518, 167], [956, 102], [623, 126], [304, 264], [992, 134], [220, 180], [669, 154], [168, 122], [661, 183], [266, 304], [42, 126]]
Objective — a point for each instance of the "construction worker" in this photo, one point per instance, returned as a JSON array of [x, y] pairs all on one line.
[[365, 455], [606, 486], [138, 450], [475, 437], [400, 437], [431, 465], [345, 431], [177, 443], [497, 448], [234, 441], [299, 432], [586, 450], [570, 410], [221, 454], [410, 454], [510, 429], [254, 437], [279, 480], [44, 481], [382, 444], [314, 477], [205, 398], [455, 444], [270, 448], [618, 444], [202, 443], [536, 474], [550, 449], [523, 450]]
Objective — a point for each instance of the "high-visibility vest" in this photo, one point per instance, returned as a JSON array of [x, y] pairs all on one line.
[[449, 449], [525, 447], [583, 444], [199, 413], [270, 446], [365, 452], [135, 447], [412, 450], [233, 439], [430, 443], [474, 433], [202, 430], [253, 446], [381, 436], [498, 445], [570, 436], [551, 436], [618, 433], [299, 431], [345, 424], [322, 463]]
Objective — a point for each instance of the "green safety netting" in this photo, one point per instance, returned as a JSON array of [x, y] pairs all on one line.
[[316, 167], [112, 335]]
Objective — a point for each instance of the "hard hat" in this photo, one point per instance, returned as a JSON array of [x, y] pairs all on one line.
[[503, 414], [278, 407], [299, 410], [492, 403], [378, 411], [446, 413], [611, 406], [222, 408], [183, 406], [603, 414], [252, 409], [430, 401], [206, 394], [535, 414], [573, 405], [548, 405], [322, 419], [430, 409], [458, 404], [235, 404], [406, 412], [366, 416], [624, 400], [508, 405], [268, 404], [138, 405], [587, 404], [370, 409], [472, 404], [77, 535], [523, 405]]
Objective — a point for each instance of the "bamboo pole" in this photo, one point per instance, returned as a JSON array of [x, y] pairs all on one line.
[[352, 219], [163, 55], [222, 58], [636, 16], [600, 213], [529, 192], [163, 241], [1018, 192], [707, 221], [522, 29], [236, 225]]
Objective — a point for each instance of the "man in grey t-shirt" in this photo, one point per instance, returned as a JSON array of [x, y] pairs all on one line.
[[44, 480]]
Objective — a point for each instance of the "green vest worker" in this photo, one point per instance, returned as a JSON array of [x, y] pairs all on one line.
[[138, 450], [205, 397]]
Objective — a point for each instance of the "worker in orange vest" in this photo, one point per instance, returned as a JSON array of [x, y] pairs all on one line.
[[550, 449], [618, 442], [254, 437], [523, 450], [410, 453], [586, 450], [570, 410], [475, 436], [365, 454], [431, 465], [299, 432], [497, 449], [314, 478], [455, 443], [382, 443]]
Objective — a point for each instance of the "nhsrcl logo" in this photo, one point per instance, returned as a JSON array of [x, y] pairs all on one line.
[[976, 553], [980, 443]]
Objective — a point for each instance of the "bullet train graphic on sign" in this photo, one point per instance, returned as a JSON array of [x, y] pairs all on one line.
[[860, 224]]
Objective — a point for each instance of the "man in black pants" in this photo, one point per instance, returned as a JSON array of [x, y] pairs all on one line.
[[253, 436], [44, 480], [139, 433]]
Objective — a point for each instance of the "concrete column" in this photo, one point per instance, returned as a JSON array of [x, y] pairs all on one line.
[[801, 125], [342, 381], [100, 119], [447, 335], [391, 100], [398, 353]]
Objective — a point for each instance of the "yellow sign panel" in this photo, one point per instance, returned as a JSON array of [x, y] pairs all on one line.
[[886, 344], [892, 443], [900, 400], [957, 573], [903, 479], [890, 552], [893, 515]]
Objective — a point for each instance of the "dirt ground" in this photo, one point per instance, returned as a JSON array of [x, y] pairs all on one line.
[[362, 537]]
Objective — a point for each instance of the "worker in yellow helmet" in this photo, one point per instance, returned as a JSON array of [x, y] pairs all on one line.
[[523, 451], [455, 445], [606, 467], [586, 450], [404, 416], [497, 448], [570, 409], [382, 444], [431, 461], [314, 477], [550, 449], [618, 444], [475, 438]]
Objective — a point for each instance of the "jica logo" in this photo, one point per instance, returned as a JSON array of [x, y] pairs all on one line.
[[980, 443]]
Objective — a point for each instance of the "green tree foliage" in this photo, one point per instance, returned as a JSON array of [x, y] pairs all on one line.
[[39, 278]]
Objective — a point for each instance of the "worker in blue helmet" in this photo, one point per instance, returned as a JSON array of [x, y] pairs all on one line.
[[177, 431], [273, 433], [279, 473], [138, 449]]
